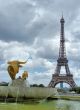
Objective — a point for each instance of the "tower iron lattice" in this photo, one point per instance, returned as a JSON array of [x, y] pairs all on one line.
[[62, 61]]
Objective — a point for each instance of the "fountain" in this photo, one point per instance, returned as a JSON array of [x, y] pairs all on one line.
[[19, 88]]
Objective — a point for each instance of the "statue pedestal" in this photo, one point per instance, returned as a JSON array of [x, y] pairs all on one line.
[[19, 83]]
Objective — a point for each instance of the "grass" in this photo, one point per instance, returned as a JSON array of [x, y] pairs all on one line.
[[27, 106], [48, 105]]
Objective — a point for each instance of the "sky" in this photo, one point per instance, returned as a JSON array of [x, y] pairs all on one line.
[[30, 30]]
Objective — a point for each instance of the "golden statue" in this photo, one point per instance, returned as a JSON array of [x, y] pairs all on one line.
[[13, 68], [25, 75]]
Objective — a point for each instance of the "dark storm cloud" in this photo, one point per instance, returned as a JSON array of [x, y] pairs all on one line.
[[16, 23], [13, 21], [58, 6], [16, 19], [22, 21]]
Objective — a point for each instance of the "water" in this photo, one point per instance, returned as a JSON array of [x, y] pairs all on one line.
[[6, 95], [45, 105], [17, 95]]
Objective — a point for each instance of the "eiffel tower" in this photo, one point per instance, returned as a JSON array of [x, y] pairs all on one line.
[[62, 61]]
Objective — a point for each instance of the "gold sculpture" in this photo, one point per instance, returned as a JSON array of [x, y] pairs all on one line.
[[13, 68], [25, 75]]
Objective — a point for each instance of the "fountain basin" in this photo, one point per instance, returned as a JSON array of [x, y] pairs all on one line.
[[28, 92], [19, 89]]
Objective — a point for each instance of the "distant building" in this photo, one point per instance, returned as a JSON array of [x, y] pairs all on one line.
[[61, 85]]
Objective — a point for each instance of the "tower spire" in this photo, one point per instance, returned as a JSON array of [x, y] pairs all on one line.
[[62, 53], [62, 15]]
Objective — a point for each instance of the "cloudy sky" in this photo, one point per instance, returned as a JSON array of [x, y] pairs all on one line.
[[30, 29]]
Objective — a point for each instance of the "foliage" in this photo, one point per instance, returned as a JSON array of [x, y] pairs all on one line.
[[36, 85], [4, 84], [76, 89]]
